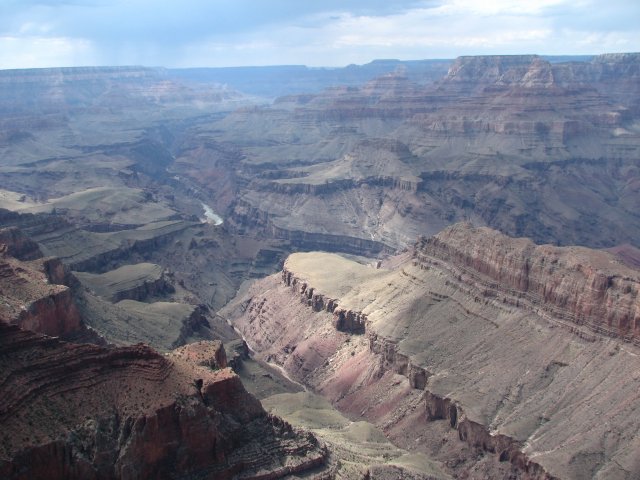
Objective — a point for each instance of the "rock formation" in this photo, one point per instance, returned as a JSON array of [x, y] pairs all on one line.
[[518, 350], [133, 282], [521, 349], [81, 411], [16, 244], [33, 292], [509, 141], [63, 89], [575, 285], [72, 410]]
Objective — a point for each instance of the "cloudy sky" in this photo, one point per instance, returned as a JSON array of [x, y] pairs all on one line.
[[43, 33]]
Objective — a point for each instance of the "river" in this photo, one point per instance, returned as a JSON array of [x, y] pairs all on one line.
[[211, 216]]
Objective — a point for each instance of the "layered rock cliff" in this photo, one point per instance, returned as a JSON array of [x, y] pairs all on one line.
[[574, 285], [16, 244], [518, 349], [80, 411], [34, 294], [134, 282], [508, 141], [52, 90]]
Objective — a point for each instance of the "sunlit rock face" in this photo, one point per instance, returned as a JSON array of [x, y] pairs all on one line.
[[521, 348]]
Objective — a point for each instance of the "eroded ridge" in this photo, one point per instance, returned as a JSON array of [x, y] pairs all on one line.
[[462, 320], [393, 359], [83, 411], [572, 285], [33, 290], [344, 319]]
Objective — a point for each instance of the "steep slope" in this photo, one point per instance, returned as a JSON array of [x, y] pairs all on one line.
[[134, 282], [70, 410], [531, 148], [80, 411], [42, 295], [522, 349], [32, 288]]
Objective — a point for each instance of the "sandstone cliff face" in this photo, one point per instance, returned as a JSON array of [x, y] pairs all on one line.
[[80, 411], [343, 319], [248, 218], [519, 349], [33, 294], [575, 285], [472, 74]]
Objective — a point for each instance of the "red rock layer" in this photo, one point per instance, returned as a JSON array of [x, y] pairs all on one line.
[[580, 286], [33, 299], [84, 412], [469, 319], [286, 327]]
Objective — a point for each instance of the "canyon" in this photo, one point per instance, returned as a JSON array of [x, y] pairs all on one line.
[[522, 349], [420, 270]]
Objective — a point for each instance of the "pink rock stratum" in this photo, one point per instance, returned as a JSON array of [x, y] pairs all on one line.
[[529, 352]]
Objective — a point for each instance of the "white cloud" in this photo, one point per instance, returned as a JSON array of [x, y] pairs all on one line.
[[40, 52], [501, 7], [420, 33], [609, 42], [334, 33]]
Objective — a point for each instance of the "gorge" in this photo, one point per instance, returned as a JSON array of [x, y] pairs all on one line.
[[419, 270]]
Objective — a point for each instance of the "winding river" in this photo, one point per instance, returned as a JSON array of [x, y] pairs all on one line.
[[210, 216]]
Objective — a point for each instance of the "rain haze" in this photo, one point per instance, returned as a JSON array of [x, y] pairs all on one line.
[[206, 33]]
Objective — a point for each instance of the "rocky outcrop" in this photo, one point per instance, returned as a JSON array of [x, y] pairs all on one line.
[[610, 74], [34, 297], [236, 352], [576, 286], [15, 243], [462, 336], [296, 188], [54, 314], [514, 139], [326, 241], [477, 435], [391, 358], [471, 74], [344, 320], [248, 218], [164, 325], [81, 250], [81, 411], [206, 354], [195, 324], [134, 282]]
